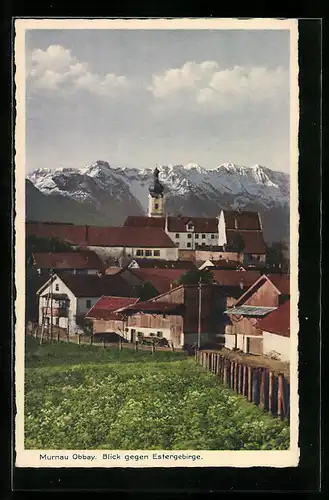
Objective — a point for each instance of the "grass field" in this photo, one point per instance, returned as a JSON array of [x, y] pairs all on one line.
[[84, 397]]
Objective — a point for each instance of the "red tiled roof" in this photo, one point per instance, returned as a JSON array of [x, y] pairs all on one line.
[[65, 232], [175, 224], [129, 237], [281, 282], [156, 307], [106, 306], [253, 241], [164, 264], [160, 279], [67, 260], [278, 321], [103, 236], [241, 220], [228, 277], [90, 285]]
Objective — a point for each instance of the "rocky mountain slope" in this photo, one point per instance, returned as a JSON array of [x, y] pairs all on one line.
[[101, 194]]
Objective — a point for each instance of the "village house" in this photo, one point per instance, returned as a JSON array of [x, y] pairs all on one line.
[[121, 243], [79, 262], [276, 333], [106, 322], [173, 316], [264, 296], [65, 298]]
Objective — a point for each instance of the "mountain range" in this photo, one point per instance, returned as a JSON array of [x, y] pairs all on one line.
[[101, 194]]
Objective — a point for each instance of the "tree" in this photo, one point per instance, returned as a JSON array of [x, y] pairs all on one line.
[[193, 277], [146, 291], [276, 254], [238, 243]]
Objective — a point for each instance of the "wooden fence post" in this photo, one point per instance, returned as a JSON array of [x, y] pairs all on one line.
[[225, 372], [172, 348], [57, 335], [250, 376], [67, 333], [91, 339], [136, 345], [78, 339], [104, 343], [120, 343], [218, 366], [239, 378], [153, 347], [262, 388], [232, 374], [280, 395], [270, 392], [244, 380]]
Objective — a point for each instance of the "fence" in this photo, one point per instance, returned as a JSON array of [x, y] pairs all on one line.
[[263, 387], [58, 334]]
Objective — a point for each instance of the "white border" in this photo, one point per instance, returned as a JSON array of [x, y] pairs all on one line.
[[28, 458]]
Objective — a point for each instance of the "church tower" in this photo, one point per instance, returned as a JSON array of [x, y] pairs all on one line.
[[156, 201]]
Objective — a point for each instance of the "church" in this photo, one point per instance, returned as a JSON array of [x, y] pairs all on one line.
[[233, 234]]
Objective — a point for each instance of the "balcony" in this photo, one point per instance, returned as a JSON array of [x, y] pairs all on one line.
[[57, 311]]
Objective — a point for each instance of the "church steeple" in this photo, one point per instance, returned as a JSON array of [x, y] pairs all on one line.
[[156, 202]]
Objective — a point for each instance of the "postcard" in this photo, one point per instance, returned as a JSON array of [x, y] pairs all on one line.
[[156, 198]]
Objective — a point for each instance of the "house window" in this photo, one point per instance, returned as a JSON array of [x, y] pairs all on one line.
[[177, 235], [156, 205], [57, 288], [156, 253], [57, 321], [203, 236], [258, 257], [148, 253], [152, 334], [190, 227], [212, 236], [203, 244], [159, 334], [189, 245], [140, 253], [196, 236], [88, 303], [189, 236], [177, 243]]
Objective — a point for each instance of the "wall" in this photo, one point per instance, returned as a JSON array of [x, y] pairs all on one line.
[[154, 211], [266, 296], [212, 255], [115, 252], [221, 230], [244, 326], [101, 326], [186, 254], [277, 344], [171, 326], [183, 239], [82, 304]]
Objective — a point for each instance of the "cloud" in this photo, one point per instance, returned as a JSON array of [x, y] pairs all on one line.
[[57, 69], [206, 84]]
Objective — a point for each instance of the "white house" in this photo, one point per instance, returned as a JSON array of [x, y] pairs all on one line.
[[65, 298]]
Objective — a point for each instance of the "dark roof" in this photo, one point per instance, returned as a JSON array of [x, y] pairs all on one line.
[[164, 264], [235, 219], [175, 224], [89, 285], [106, 306], [228, 277], [67, 260], [278, 321], [155, 307], [161, 279], [102, 236], [65, 232], [253, 240], [129, 237]]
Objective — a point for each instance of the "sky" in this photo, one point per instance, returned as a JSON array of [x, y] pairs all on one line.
[[139, 98]]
